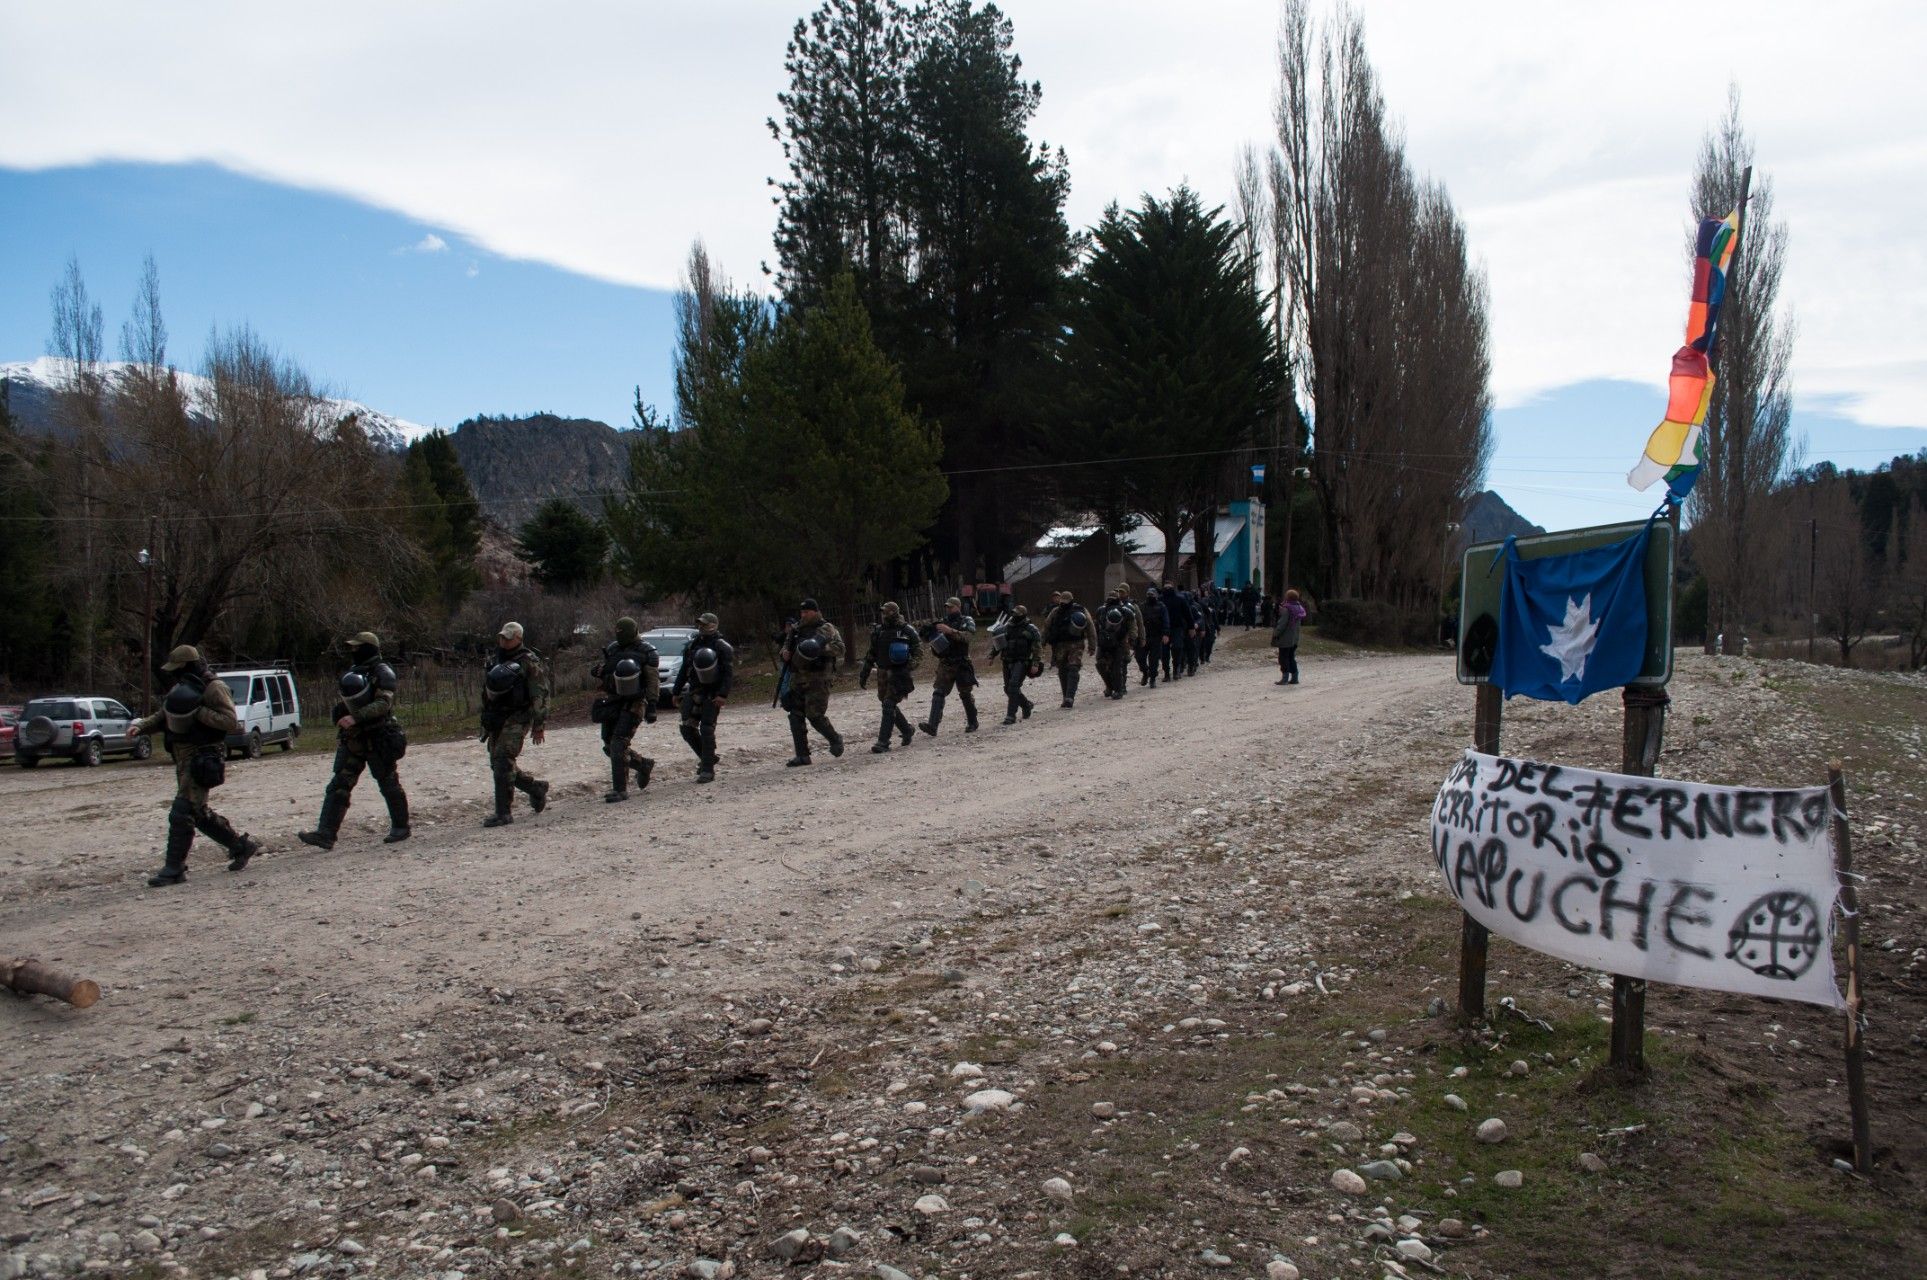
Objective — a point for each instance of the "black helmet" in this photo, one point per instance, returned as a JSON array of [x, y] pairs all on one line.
[[628, 669], [1077, 619], [1114, 616], [809, 649], [354, 687], [502, 677], [182, 700], [704, 659]]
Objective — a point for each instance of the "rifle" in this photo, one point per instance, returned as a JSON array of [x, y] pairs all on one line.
[[783, 671]]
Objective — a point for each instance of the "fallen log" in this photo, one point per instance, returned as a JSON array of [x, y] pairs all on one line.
[[31, 978]]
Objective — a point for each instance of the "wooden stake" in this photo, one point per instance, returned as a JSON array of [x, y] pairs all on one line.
[[1488, 714], [31, 978], [1850, 909], [1638, 756]]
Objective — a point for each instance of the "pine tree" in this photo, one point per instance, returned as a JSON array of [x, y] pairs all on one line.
[[567, 548], [1168, 362]]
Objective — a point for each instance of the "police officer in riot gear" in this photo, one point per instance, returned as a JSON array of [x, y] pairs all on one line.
[[1021, 646], [950, 646], [197, 715], [1067, 629], [702, 688], [1155, 628], [368, 737], [515, 704], [895, 647], [631, 684], [811, 651]]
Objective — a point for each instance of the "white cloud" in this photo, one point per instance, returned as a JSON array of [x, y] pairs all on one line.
[[1567, 134], [474, 269], [431, 243]]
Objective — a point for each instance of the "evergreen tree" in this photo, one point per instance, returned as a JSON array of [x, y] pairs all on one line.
[[450, 484], [567, 547], [1168, 362]]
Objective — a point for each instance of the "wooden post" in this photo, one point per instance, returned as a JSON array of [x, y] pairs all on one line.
[[1638, 756], [31, 978], [1489, 712], [1850, 909]]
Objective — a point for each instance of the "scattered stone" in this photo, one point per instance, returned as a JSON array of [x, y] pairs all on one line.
[[709, 1269], [1238, 1155], [1404, 1139], [1348, 1182], [1104, 1110], [928, 1175], [1510, 1179], [759, 1155], [353, 1248], [1520, 1067], [1058, 1189], [1212, 1258], [1344, 1131], [1591, 1163], [1414, 1249], [931, 1205], [1455, 1102], [1279, 1269], [841, 1241], [1065, 1240], [789, 1244], [887, 1272], [990, 1100], [1381, 1171], [966, 1071], [145, 1241], [1451, 1228], [505, 1210], [1492, 1130], [1376, 1036]]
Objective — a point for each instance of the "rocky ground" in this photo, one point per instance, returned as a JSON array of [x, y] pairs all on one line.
[[1147, 988]]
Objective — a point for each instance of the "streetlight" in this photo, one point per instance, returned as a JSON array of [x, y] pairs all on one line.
[[1445, 553]]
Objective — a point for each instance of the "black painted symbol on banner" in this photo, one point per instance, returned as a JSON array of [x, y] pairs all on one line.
[[1778, 936]]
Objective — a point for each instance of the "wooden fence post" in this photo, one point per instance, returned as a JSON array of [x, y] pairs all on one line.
[[1639, 756], [1850, 910], [1488, 713]]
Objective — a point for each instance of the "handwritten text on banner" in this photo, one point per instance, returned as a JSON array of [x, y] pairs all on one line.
[[1728, 888]]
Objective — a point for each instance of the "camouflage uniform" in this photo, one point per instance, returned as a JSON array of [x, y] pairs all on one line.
[[198, 715], [371, 744], [896, 683], [1068, 647], [1115, 643], [507, 718], [701, 697], [621, 715], [805, 693], [954, 670]]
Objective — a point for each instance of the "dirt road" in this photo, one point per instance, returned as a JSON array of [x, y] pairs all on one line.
[[1111, 990]]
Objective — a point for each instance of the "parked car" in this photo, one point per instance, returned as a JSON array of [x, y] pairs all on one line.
[[9, 729], [266, 704], [83, 730], [669, 643]]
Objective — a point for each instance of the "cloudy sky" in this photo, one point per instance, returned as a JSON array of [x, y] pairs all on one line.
[[596, 139]]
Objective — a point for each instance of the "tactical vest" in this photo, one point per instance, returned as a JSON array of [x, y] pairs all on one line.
[[184, 727], [1020, 642], [517, 696], [891, 648], [643, 655], [705, 674]]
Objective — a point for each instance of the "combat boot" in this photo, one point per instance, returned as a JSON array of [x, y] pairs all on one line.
[[970, 711], [537, 792], [706, 771], [800, 738], [903, 726], [504, 803], [644, 767], [830, 735], [180, 834], [398, 829], [242, 853], [334, 806]]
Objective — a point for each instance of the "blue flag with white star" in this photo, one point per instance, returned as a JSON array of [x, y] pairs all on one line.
[[1574, 624]]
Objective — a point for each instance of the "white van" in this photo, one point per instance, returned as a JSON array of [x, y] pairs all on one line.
[[266, 704]]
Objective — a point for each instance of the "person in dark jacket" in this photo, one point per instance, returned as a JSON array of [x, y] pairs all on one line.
[[1177, 612], [1157, 637], [1284, 637], [702, 688], [197, 715]]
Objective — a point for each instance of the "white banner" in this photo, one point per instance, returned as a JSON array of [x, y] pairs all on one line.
[[1728, 888]]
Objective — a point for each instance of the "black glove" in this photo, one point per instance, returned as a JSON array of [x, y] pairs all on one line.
[[649, 714]]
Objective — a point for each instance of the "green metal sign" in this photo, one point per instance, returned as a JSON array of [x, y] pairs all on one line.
[[1484, 578]]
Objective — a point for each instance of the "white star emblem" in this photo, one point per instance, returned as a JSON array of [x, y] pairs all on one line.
[[1573, 642]]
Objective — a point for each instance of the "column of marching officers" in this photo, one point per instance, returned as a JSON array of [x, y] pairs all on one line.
[[1167, 633]]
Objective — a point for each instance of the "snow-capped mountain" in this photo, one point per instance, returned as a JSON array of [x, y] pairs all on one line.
[[33, 389]]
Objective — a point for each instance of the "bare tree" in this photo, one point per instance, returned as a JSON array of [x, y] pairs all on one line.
[[1847, 573], [1907, 577], [1749, 438], [1386, 318], [76, 342]]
